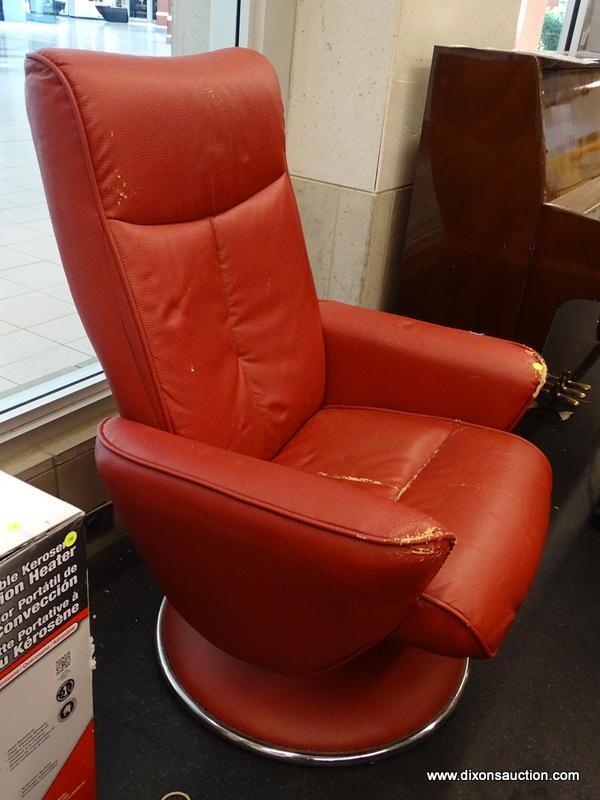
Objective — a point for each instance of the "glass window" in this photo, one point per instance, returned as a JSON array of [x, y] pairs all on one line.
[[540, 24], [588, 38], [41, 336], [554, 17]]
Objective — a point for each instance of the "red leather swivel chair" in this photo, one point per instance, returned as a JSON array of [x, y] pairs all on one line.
[[327, 495]]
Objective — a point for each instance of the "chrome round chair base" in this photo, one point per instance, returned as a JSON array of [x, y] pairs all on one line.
[[285, 753]]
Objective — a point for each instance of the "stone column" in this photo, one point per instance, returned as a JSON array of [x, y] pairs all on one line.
[[191, 26], [358, 85]]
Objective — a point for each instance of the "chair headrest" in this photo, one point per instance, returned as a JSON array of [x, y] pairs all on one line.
[[172, 139]]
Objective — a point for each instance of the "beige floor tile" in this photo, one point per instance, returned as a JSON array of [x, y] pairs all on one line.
[[63, 330], [41, 206], [38, 275], [41, 226], [10, 289], [14, 174], [12, 258], [8, 173], [21, 344], [6, 327], [27, 214], [14, 156], [11, 159], [7, 186], [40, 247], [24, 197], [61, 291], [15, 131], [11, 234], [42, 365], [31, 182], [84, 345], [32, 309]]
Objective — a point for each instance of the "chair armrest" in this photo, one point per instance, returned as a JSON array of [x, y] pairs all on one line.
[[387, 361], [276, 566]]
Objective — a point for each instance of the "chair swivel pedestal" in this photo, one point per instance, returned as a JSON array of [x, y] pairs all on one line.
[[387, 699]]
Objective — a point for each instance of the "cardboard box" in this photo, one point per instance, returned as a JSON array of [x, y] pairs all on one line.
[[46, 715]]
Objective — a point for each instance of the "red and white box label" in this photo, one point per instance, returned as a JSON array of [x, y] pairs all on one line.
[[46, 712]]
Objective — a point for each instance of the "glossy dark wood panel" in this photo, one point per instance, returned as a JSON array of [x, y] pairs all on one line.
[[472, 219], [504, 135], [571, 119], [565, 266]]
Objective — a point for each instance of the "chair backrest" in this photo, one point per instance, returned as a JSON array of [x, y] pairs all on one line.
[[179, 232]]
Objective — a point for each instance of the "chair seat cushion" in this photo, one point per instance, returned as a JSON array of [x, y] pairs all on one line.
[[490, 488]]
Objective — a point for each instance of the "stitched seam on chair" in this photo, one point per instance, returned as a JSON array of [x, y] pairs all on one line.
[[425, 464], [444, 606], [206, 216], [312, 283], [249, 383], [113, 280], [460, 422], [355, 653], [152, 359], [91, 175], [441, 535]]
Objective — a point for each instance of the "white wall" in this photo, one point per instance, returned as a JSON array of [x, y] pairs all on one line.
[[191, 27]]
